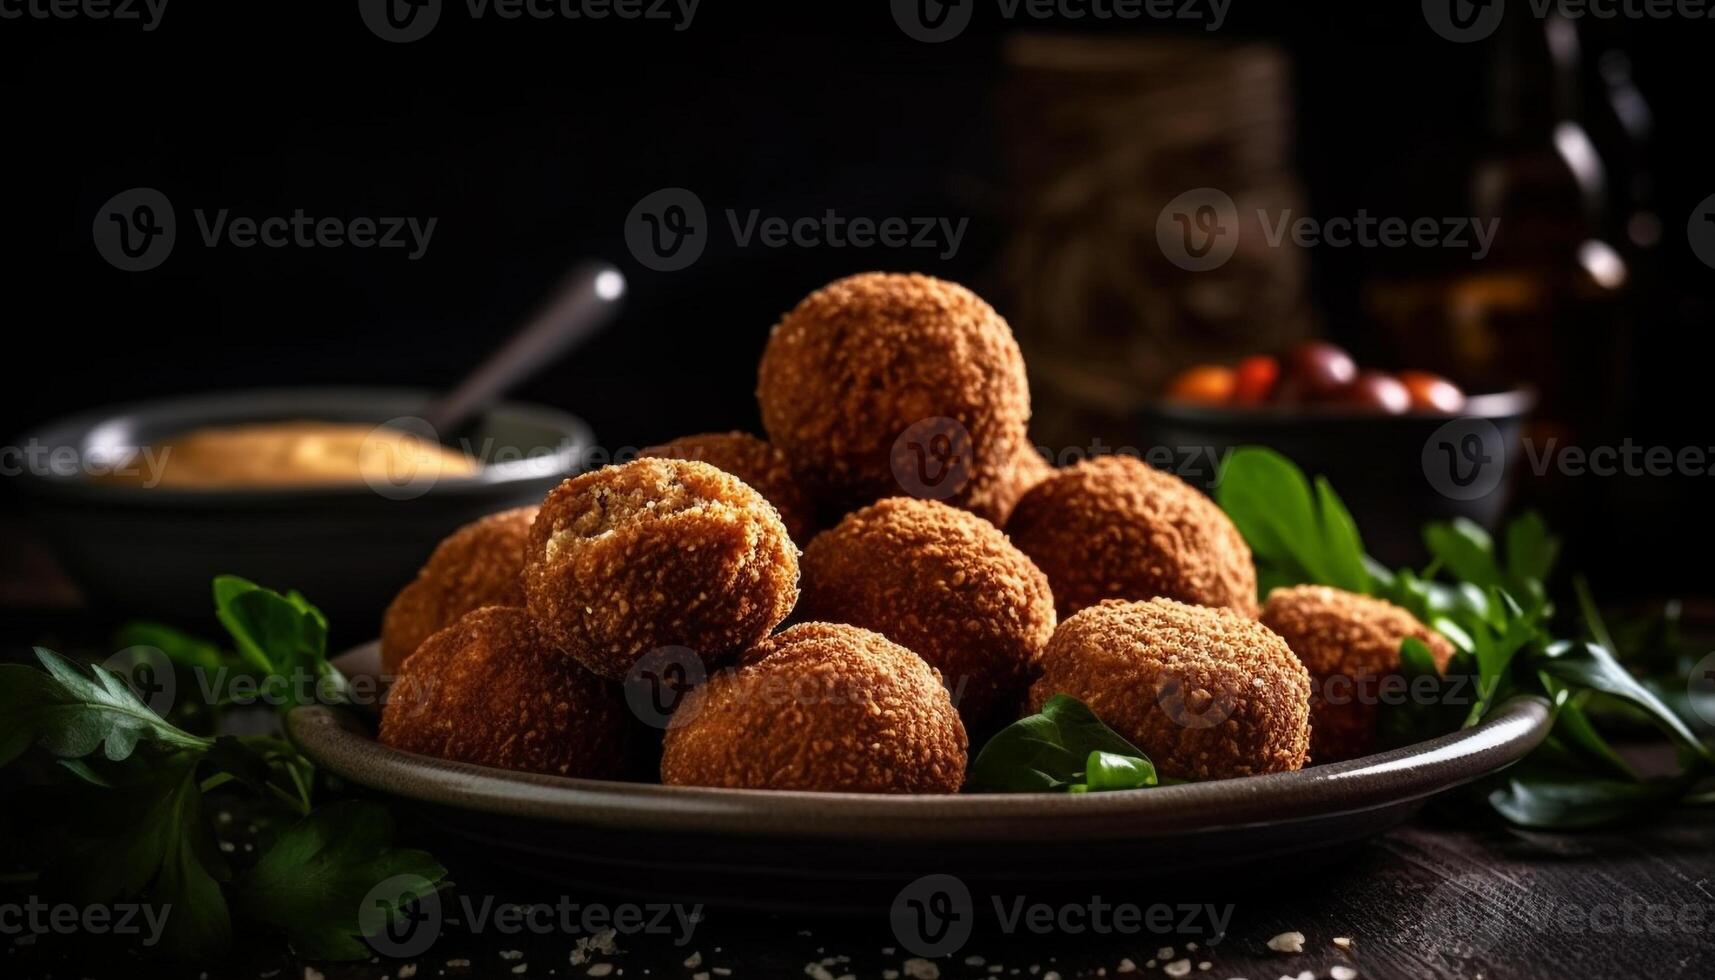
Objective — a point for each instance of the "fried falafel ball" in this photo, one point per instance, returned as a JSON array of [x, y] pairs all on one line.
[[1205, 693], [653, 553], [1350, 644], [943, 583], [1115, 527], [491, 690], [822, 707], [477, 565], [1028, 469], [871, 368], [757, 463]]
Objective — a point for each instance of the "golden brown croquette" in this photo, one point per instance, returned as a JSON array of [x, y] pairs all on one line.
[[755, 462], [940, 582], [1027, 470], [1205, 693], [1115, 527], [653, 553], [477, 565], [1350, 644], [822, 707], [871, 368], [489, 689]]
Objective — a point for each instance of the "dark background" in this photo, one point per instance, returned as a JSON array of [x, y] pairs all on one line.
[[531, 140]]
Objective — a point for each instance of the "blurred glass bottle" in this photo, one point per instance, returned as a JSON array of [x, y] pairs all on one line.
[[1545, 306]]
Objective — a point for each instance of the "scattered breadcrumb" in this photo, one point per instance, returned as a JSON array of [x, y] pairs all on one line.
[[600, 969], [1287, 942], [311, 973], [407, 971], [1343, 973], [1126, 966], [918, 968], [1177, 968], [1344, 942], [511, 954], [1204, 965], [1164, 953]]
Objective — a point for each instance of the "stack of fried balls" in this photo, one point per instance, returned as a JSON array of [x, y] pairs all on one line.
[[940, 578]]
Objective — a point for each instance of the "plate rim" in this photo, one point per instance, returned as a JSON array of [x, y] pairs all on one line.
[[335, 739]]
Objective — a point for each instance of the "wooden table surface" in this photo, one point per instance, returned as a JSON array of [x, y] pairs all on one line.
[[1431, 899]]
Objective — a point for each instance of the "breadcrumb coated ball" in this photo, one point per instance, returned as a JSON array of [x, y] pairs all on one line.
[[653, 553], [867, 360], [822, 707], [1205, 693], [1027, 470], [1115, 527], [1349, 643], [940, 582], [489, 689], [757, 463], [477, 565]]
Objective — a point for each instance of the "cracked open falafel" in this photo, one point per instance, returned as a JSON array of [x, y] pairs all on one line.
[[1115, 527], [943, 583], [757, 463], [477, 565], [822, 707], [1205, 693], [490, 690], [1350, 644], [654, 553], [872, 368]]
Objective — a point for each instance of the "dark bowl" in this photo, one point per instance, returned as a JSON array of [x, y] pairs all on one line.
[[1395, 472], [152, 551]]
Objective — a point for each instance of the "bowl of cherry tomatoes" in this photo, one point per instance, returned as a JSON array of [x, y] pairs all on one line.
[[1402, 448]]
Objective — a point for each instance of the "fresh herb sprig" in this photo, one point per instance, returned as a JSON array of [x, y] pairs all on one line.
[[125, 806], [1064, 747], [1492, 602]]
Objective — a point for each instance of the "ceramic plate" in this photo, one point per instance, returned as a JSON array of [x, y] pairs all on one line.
[[772, 848]]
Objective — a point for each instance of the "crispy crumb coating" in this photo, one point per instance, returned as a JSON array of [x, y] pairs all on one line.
[[1027, 470], [862, 360], [821, 707], [489, 689], [657, 552], [477, 565], [943, 583], [1349, 643], [757, 463], [1205, 693], [1115, 527]]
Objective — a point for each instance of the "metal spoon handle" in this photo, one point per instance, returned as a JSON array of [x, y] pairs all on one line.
[[589, 298]]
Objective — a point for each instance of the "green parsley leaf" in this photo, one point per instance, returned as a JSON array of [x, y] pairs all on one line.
[[71, 712], [310, 883]]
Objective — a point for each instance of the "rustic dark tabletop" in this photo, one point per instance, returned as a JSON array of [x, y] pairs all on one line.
[[1432, 899]]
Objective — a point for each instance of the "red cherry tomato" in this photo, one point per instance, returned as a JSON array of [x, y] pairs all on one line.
[[1254, 379], [1316, 371], [1431, 392], [1378, 391]]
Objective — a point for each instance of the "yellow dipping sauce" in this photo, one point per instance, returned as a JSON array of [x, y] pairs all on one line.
[[293, 454]]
